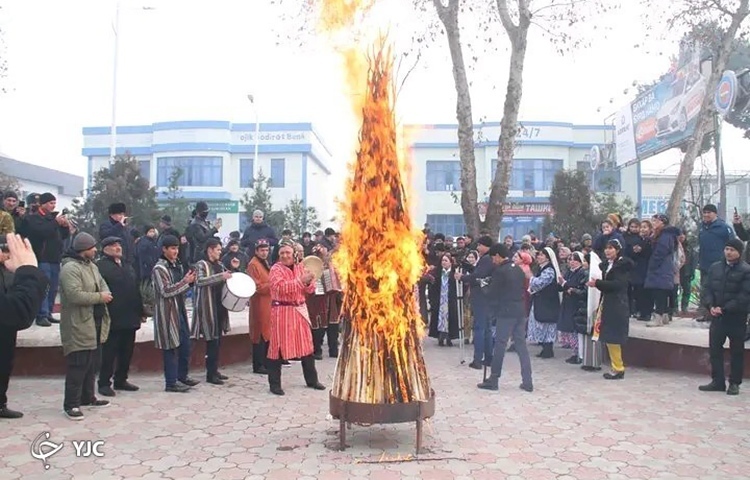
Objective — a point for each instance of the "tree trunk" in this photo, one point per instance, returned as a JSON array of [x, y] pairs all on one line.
[[449, 17], [509, 124], [705, 118]]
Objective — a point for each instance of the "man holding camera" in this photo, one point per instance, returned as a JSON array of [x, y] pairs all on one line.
[[22, 290], [14, 208], [46, 231]]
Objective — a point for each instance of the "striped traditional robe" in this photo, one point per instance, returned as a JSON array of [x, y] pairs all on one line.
[[166, 306], [205, 310], [290, 324]]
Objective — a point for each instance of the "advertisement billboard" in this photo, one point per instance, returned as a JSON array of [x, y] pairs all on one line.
[[624, 136], [666, 115]]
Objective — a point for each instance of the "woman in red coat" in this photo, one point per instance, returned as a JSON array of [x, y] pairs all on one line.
[[291, 336]]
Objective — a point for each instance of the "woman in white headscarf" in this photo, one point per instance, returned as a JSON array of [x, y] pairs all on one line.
[[545, 303]]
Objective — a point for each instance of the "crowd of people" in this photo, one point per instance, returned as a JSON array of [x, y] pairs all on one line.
[[647, 272], [108, 287], [498, 296]]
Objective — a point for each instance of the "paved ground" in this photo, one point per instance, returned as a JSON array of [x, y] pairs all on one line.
[[574, 426]]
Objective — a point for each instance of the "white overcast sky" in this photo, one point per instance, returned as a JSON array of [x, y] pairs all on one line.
[[199, 60]]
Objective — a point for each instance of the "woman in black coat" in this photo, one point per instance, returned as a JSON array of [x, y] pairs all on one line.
[[573, 286], [614, 314], [443, 301]]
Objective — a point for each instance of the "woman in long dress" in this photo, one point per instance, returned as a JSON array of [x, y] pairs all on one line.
[[573, 286], [444, 302], [545, 304]]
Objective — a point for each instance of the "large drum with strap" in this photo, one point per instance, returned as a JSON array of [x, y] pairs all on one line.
[[237, 291]]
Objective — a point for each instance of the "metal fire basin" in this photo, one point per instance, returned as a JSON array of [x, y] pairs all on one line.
[[380, 413]]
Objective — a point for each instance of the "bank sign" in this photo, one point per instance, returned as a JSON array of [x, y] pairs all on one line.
[[666, 115]]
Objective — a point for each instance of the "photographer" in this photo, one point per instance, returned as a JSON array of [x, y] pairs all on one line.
[[46, 231], [22, 290], [14, 208]]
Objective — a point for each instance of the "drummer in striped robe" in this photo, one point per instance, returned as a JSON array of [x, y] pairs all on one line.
[[324, 306], [210, 317], [291, 336]]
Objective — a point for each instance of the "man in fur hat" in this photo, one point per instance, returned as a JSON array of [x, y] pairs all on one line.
[[116, 226]]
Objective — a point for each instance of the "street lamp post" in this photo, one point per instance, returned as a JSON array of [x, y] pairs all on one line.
[[257, 131], [113, 125]]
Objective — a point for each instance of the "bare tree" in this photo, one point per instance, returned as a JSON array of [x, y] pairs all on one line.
[[728, 16]]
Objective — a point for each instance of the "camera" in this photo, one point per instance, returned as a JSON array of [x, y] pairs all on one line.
[[4, 248]]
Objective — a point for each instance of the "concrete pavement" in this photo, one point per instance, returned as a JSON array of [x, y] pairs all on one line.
[[575, 425]]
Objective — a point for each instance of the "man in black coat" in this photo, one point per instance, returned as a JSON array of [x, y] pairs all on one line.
[[479, 304], [255, 231], [126, 313], [116, 226], [726, 297], [506, 314], [47, 231], [23, 287]]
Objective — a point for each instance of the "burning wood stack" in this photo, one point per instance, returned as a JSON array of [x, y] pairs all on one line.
[[381, 360]]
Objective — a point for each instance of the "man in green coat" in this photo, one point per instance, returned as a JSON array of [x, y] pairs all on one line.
[[84, 324]]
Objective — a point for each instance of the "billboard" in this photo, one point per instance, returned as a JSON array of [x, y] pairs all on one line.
[[666, 115], [624, 136]]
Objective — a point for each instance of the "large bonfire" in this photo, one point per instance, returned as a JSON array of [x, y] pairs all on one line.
[[380, 261]]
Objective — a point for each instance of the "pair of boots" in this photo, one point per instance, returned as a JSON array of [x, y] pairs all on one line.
[[547, 351], [444, 339], [659, 320], [331, 334], [308, 370]]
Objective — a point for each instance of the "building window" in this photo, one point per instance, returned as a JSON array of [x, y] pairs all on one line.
[[532, 174], [145, 168], [278, 173], [452, 225], [606, 178], [196, 171], [246, 173], [443, 176]]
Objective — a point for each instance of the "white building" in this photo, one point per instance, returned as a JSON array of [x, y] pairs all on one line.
[[543, 148], [703, 189], [36, 179], [216, 158]]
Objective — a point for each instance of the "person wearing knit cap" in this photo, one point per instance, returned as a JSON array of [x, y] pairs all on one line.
[[726, 298], [199, 231], [171, 331], [47, 232], [713, 236], [480, 304], [116, 226], [545, 303], [506, 306], [84, 324]]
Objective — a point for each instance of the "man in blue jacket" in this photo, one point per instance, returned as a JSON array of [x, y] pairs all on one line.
[[714, 235], [480, 304]]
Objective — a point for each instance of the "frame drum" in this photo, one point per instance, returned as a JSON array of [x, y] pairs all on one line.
[[237, 291]]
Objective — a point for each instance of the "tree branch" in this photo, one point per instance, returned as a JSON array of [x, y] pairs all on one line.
[[508, 25], [722, 8], [572, 3]]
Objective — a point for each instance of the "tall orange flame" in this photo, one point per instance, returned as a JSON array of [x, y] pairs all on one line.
[[380, 262]]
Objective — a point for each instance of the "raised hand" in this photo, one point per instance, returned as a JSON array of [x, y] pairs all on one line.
[[21, 253]]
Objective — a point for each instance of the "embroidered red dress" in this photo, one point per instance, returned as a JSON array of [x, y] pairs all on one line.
[[290, 321]]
